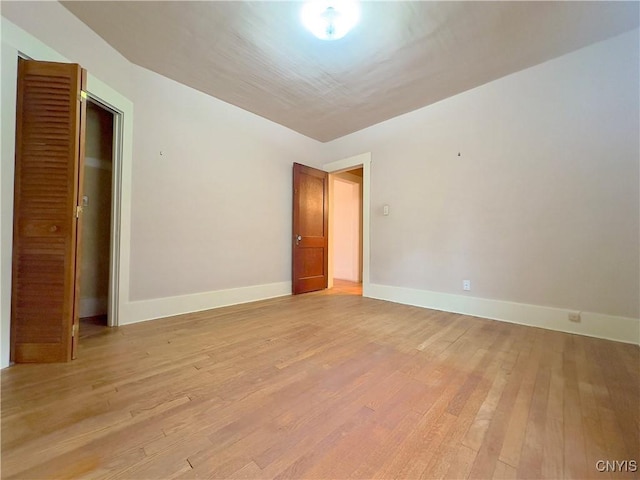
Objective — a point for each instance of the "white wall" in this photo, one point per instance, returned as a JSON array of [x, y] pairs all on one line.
[[346, 227], [211, 201], [213, 211], [542, 205]]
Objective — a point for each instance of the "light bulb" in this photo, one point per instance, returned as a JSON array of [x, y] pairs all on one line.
[[330, 19]]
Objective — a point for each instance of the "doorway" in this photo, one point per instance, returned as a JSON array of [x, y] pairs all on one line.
[[319, 200], [346, 232], [97, 214], [362, 161]]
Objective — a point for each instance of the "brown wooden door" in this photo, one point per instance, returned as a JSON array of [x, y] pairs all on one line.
[[46, 228], [310, 229]]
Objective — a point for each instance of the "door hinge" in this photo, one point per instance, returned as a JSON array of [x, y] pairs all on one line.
[[78, 210], [82, 96], [74, 329]]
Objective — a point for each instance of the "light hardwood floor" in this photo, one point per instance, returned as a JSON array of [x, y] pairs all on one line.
[[345, 287], [330, 386]]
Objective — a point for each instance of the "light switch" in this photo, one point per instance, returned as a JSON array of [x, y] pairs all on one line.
[[385, 210]]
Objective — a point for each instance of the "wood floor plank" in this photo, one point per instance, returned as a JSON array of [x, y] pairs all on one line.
[[514, 435], [461, 462], [506, 472], [313, 459], [446, 453], [530, 464], [575, 462], [306, 429], [476, 431], [387, 443], [413, 457], [324, 385]]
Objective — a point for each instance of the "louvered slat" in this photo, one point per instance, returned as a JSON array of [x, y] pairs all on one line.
[[47, 187]]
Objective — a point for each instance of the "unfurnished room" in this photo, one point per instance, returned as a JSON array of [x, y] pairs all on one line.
[[320, 239]]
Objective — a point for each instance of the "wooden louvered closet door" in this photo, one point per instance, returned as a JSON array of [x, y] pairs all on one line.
[[46, 229]]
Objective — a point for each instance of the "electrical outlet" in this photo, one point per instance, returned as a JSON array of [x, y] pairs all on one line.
[[574, 317], [466, 285]]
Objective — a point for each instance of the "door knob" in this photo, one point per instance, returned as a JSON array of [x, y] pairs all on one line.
[[298, 239]]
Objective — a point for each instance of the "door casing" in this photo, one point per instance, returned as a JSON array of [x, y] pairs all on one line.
[[335, 206], [116, 212], [363, 160]]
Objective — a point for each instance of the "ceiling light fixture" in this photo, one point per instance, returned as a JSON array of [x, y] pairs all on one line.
[[330, 19]]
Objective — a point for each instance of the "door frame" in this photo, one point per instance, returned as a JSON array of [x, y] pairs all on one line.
[[363, 160], [334, 207], [120, 244], [116, 210]]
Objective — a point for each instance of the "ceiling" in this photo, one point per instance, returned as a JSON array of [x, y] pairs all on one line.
[[402, 56]]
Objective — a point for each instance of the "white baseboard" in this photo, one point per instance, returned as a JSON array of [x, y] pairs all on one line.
[[90, 307], [142, 310], [620, 329]]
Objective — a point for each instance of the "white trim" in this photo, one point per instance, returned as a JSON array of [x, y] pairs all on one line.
[[165, 307], [9, 67], [364, 160], [620, 329]]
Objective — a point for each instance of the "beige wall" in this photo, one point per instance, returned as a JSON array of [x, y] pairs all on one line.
[[96, 222], [213, 210], [542, 205]]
